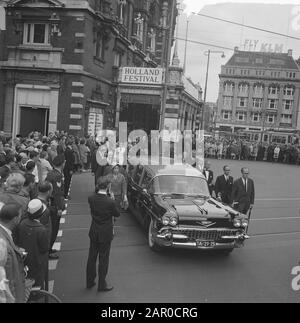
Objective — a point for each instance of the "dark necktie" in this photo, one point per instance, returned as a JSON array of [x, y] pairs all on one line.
[[246, 185]]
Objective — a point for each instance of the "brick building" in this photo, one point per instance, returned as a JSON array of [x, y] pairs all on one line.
[[259, 92], [62, 58]]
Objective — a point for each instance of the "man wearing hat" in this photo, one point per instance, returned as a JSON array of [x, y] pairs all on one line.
[[33, 237], [56, 178], [103, 210]]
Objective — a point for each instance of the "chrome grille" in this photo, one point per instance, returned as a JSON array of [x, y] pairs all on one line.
[[206, 235]]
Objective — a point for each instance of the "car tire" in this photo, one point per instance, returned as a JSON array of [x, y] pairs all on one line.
[[151, 243]]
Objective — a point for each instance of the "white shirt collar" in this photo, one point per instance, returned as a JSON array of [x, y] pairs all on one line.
[[6, 230]]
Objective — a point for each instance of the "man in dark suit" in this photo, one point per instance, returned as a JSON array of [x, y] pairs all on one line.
[[243, 193], [56, 178], [223, 186], [209, 175], [103, 211]]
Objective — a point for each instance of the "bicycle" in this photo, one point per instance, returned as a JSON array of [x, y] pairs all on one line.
[[38, 295]]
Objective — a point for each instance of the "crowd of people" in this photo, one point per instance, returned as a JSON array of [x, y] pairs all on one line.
[[35, 177], [251, 150]]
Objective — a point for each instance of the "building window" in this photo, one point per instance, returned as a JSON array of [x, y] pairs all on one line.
[[286, 118], [152, 40], [241, 116], [99, 46], [243, 102], [257, 103], [243, 88], [291, 75], [273, 104], [226, 115], [255, 117], [139, 27], [274, 90], [258, 90], [260, 73], [270, 118], [118, 60], [228, 101], [36, 33], [229, 87], [121, 10], [288, 104], [288, 91]]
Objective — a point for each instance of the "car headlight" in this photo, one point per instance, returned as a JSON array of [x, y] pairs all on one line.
[[173, 221], [170, 219], [237, 223], [245, 223], [165, 220]]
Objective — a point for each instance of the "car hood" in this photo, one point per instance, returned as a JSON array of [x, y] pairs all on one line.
[[190, 209]]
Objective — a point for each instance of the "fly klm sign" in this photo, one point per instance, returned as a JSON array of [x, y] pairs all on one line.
[[142, 75]]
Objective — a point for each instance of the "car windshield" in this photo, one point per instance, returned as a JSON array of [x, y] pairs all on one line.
[[176, 184]]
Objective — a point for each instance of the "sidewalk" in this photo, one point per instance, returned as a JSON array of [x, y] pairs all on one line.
[[69, 272]]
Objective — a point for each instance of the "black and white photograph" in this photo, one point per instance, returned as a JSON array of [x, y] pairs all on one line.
[[149, 154]]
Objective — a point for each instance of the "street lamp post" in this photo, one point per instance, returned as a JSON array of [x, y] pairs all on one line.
[[207, 53]]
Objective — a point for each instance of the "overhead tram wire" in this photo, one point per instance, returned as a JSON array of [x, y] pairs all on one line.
[[206, 44], [247, 26]]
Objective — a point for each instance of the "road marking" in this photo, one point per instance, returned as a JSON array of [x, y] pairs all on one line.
[[279, 199], [274, 219], [62, 221], [52, 264], [59, 234], [57, 246], [51, 286], [274, 234]]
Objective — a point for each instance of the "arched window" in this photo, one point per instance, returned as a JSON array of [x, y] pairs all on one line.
[[122, 10]]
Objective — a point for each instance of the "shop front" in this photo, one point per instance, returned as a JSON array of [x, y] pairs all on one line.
[[140, 98]]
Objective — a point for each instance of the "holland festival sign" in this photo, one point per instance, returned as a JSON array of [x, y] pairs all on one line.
[[142, 75]]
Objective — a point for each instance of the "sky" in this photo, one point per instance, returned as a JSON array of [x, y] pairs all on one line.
[[278, 16]]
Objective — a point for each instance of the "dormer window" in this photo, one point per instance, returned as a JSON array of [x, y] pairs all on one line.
[[36, 34]]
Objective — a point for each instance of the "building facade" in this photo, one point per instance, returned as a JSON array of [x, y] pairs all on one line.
[[184, 103], [60, 68], [259, 92]]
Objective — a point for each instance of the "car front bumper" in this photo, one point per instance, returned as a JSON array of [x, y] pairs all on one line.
[[167, 238]]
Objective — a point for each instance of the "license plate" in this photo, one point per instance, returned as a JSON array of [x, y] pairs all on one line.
[[205, 244]]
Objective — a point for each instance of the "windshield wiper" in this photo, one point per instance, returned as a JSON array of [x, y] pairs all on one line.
[[198, 195]]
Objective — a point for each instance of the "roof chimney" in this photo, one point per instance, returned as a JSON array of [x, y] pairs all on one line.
[[290, 52], [236, 49]]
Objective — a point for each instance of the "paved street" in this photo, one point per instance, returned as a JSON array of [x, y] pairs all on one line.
[[261, 271]]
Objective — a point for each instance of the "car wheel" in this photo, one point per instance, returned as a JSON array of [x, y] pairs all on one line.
[[151, 241]]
